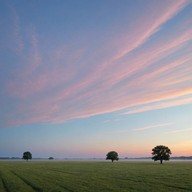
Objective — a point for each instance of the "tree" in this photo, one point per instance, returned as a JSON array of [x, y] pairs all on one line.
[[112, 155], [27, 155], [161, 153]]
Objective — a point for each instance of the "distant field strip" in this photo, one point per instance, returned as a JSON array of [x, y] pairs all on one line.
[[95, 176]]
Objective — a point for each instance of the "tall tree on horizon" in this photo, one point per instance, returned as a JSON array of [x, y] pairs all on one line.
[[160, 153], [27, 155], [112, 155]]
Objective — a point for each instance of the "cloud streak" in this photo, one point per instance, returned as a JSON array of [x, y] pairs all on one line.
[[153, 27], [152, 127], [19, 44], [181, 130], [70, 81], [162, 104]]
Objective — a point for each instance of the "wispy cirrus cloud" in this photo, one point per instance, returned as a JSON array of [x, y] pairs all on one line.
[[152, 127], [146, 30], [25, 80], [161, 104], [19, 44], [70, 81], [181, 130]]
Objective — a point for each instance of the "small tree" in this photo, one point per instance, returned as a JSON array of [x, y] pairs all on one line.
[[112, 155], [161, 153], [27, 155]]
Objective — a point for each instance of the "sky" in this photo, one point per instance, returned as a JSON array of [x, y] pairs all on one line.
[[81, 78]]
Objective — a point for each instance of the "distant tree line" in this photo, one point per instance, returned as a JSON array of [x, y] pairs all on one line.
[[159, 153]]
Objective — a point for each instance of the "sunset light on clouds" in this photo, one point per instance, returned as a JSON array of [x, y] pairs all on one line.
[[80, 78]]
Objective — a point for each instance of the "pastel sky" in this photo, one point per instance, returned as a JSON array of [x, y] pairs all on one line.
[[82, 78]]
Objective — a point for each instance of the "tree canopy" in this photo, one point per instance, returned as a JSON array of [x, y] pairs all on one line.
[[161, 153], [27, 155], [112, 155]]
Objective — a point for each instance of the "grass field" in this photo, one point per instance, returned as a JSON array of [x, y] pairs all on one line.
[[94, 176]]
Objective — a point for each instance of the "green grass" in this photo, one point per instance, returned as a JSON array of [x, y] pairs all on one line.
[[94, 176]]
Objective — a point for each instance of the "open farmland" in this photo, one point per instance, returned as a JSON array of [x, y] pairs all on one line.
[[94, 176]]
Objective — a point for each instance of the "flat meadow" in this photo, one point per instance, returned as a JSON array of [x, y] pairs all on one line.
[[95, 176]]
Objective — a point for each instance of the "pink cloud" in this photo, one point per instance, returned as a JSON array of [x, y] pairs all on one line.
[[122, 68], [75, 83], [146, 30], [163, 104], [166, 68], [156, 53]]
